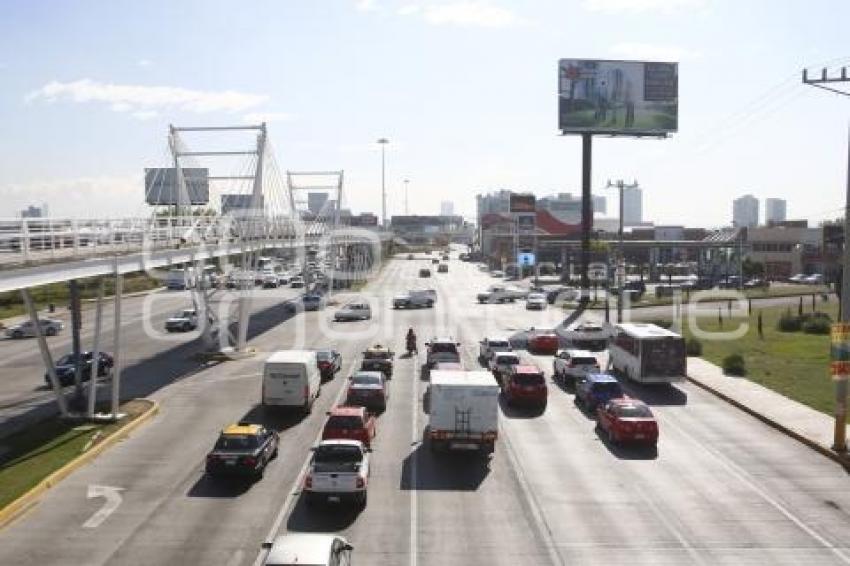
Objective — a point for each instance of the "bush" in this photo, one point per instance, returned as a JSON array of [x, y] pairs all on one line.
[[693, 347], [817, 316], [789, 323], [816, 326], [733, 364]]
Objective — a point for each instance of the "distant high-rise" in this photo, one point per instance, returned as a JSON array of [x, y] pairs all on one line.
[[34, 212], [745, 212], [447, 208], [316, 201], [632, 206], [774, 210], [600, 204]]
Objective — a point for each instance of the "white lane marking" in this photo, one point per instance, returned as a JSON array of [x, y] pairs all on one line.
[[113, 500], [668, 524], [744, 478], [416, 436], [299, 479]]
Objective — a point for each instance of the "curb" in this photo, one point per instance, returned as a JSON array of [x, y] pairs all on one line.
[[16, 508], [844, 461], [127, 295]]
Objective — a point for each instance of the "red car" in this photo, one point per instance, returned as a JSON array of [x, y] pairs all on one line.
[[543, 342], [627, 421], [350, 423], [525, 385]]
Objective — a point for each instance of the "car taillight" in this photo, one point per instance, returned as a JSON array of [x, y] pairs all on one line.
[[249, 461], [324, 365], [212, 457], [306, 391], [308, 481], [361, 483]]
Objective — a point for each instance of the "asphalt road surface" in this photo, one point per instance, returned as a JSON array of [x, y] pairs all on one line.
[[722, 488]]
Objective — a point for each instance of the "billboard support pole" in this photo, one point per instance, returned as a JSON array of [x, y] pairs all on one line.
[[586, 210]]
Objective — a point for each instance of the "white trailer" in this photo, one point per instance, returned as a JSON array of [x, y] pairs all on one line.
[[463, 409]]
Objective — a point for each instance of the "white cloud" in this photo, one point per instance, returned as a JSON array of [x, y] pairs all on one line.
[[366, 5], [257, 117], [652, 52], [474, 13], [145, 114], [73, 198], [141, 99], [639, 6], [145, 62]]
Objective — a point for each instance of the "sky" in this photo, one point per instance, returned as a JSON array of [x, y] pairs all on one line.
[[465, 91]]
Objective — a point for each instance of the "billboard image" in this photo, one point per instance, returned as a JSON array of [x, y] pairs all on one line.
[[161, 186], [525, 223], [629, 98], [522, 203]]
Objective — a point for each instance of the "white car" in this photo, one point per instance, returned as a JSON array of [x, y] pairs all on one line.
[[297, 549], [497, 273], [338, 470], [26, 329], [182, 321], [588, 335], [799, 278], [356, 310], [535, 301], [816, 279], [489, 345], [570, 365], [500, 362], [296, 282]]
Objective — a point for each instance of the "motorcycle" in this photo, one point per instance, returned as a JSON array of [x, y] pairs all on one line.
[[411, 346]]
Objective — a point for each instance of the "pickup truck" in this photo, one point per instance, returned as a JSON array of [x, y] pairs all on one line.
[[500, 294], [338, 470], [463, 411], [415, 299], [489, 345], [378, 358], [441, 350]]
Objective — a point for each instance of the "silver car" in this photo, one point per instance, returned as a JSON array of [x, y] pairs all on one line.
[[356, 310], [295, 549], [26, 329]]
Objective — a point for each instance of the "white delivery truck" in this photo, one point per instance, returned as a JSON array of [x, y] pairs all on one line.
[[463, 409], [291, 379]]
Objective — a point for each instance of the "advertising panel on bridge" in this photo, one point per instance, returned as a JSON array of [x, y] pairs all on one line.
[[231, 203], [161, 186], [617, 98], [523, 203]]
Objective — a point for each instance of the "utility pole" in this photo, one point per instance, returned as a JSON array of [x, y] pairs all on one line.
[[383, 142], [840, 433], [620, 277], [406, 183]]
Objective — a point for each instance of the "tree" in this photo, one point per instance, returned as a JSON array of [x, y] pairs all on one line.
[[750, 268]]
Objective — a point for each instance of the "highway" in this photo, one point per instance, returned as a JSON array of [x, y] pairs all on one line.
[[722, 488]]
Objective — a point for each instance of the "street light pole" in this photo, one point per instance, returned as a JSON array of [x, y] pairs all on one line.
[[383, 142], [622, 256], [406, 183]]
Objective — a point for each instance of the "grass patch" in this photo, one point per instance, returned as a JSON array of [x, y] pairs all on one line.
[[33, 454], [794, 364]]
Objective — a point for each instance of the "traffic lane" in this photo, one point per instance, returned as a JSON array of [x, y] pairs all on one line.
[[159, 467]]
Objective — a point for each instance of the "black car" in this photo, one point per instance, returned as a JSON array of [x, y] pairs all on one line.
[[329, 362], [242, 449], [424, 272], [66, 368]]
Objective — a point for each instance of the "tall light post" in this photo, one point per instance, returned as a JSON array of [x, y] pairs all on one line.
[[383, 142], [620, 277], [406, 183]]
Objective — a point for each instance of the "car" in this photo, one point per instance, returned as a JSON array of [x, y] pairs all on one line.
[[570, 365], [501, 362], [414, 299], [435, 260], [283, 278], [596, 389], [313, 301], [544, 342], [337, 471], [815, 279], [441, 349], [497, 273], [799, 278], [443, 268], [297, 549], [66, 368], [329, 362], [270, 280], [561, 295], [242, 449], [755, 283], [500, 294], [588, 336], [445, 257], [296, 282], [26, 329], [535, 301], [350, 423], [355, 310], [627, 421], [182, 321], [368, 389], [424, 272], [493, 344], [378, 358], [239, 279], [452, 366], [524, 385], [410, 256]]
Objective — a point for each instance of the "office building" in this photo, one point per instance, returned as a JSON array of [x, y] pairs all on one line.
[[34, 212], [745, 212], [774, 211], [316, 202], [632, 206]]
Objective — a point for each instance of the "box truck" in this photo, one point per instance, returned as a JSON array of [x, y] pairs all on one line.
[[463, 410]]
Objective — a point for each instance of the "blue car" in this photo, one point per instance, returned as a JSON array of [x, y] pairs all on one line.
[[596, 389]]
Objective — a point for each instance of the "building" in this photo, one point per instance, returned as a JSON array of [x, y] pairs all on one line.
[[316, 202], [774, 211], [785, 250], [745, 212], [431, 230], [362, 220], [600, 204], [632, 206], [34, 211], [447, 208]]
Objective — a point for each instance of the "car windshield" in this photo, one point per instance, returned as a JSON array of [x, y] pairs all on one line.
[[507, 360], [324, 356], [365, 379], [529, 379], [632, 411], [500, 344], [443, 347], [345, 422], [67, 359], [584, 361], [235, 442]]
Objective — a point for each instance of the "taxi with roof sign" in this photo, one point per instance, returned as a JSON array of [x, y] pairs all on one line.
[[242, 449]]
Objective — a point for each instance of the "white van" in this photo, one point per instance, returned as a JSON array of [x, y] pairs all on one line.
[[291, 379]]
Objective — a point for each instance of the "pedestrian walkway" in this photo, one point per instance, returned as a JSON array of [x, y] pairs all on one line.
[[795, 419]]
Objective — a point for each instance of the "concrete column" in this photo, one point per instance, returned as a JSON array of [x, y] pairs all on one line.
[[96, 349], [116, 356], [45, 353]]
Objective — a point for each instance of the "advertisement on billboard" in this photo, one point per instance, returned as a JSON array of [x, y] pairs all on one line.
[[525, 259], [523, 203], [626, 98], [525, 223], [235, 202], [161, 186]]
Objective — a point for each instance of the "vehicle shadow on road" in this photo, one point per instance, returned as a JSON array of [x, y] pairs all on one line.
[[660, 395], [627, 452], [515, 412], [220, 488], [273, 418], [321, 517], [455, 471]]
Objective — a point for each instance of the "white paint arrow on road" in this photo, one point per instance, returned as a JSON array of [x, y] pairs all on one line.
[[113, 500]]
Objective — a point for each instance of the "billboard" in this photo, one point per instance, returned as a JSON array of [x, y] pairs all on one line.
[[525, 259], [233, 202], [161, 186], [525, 223], [627, 98], [522, 203]]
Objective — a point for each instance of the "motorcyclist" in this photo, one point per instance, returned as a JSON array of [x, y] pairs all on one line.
[[411, 341]]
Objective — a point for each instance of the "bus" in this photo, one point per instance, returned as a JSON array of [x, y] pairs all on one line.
[[647, 353]]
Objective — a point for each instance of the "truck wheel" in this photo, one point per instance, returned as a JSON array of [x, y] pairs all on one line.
[[51, 331]]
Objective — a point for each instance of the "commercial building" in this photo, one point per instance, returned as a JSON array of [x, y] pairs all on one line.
[[786, 249], [632, 206], [745, 212], [34, 211], [316, 202], [431, 230], [774, 210]]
